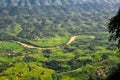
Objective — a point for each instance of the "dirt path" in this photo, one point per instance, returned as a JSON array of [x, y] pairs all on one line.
[[25, 45], [71, 40], [56, 47], [30, 46]]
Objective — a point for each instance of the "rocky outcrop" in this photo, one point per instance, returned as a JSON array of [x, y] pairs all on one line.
[[51, 2]]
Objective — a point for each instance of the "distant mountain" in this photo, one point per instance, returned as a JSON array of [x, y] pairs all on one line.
[[52, 2]]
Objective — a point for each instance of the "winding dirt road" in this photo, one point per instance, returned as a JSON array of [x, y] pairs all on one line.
[[31, 46], [24, 44], [71, 40], [56, 47]]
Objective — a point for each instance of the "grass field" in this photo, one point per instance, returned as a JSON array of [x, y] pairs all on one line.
[[10, 46], [85, 37], [72, 62], [25, 71], [50, 41]]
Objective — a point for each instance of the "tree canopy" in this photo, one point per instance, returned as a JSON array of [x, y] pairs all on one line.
[[114, 28]]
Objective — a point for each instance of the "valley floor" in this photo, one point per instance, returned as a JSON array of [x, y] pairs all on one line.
[[85, 57]]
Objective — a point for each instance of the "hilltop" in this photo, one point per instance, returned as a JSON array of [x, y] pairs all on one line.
[[52, 2]]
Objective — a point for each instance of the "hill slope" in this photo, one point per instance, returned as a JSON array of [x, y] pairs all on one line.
[[33, 19], [51, 2], [50, 23]]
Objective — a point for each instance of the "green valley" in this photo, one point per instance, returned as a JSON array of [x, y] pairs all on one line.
[[57, 40]]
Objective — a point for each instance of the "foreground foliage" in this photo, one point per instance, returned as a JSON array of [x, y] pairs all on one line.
[[86, 58]]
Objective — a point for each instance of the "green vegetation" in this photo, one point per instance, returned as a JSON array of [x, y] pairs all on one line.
[[79, 60], [89, 57], [10, 46], [37, 25], [114, 31], [113, 27], [55, 41]]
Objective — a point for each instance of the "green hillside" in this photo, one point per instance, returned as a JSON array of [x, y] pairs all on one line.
[[56, 39]]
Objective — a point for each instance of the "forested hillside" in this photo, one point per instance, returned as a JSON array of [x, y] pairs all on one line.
[[35, 35], [33, 22]]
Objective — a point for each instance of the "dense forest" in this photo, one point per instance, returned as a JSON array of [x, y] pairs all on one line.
[[34, 23], [47, 26]]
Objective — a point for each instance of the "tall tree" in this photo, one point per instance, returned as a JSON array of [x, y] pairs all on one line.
[[114, 28]]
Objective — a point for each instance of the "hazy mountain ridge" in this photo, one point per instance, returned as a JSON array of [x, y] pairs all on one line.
[[5, 3]]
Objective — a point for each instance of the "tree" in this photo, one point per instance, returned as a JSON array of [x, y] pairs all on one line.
[[115, 74], [114, 28]]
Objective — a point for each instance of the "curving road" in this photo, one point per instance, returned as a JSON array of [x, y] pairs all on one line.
[[31, 46], [71, 40]]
